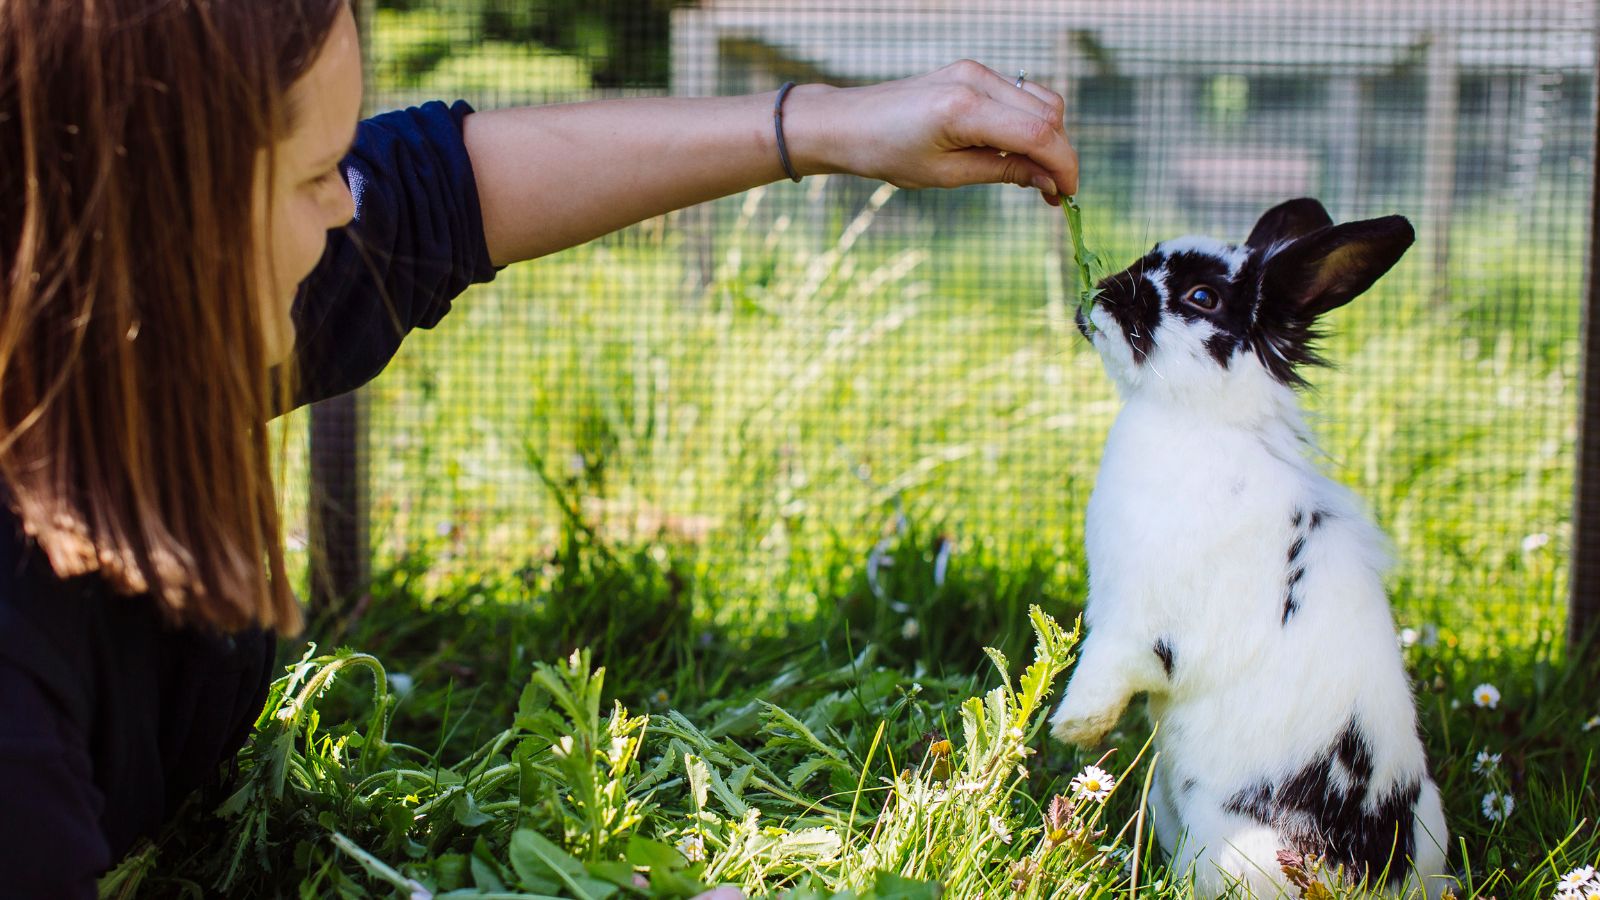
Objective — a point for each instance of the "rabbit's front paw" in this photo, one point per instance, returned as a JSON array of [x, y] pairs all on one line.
[[1081, 729]]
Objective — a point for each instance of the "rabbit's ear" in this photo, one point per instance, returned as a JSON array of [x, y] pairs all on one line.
[[1287, 221], [1329, 267]]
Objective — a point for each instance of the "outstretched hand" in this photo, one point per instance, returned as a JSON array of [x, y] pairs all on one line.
[[961, 124]]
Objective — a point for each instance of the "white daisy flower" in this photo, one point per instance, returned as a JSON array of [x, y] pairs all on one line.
[[1592, 724], [401, 684], [1000, 829], [1486, 762], [878, 560], [910, 629], [1093, 783], [1486, 696], [1409, 637], [1497, 807], [1575, 882], [941, 561], [1534, 541], [693, 848]]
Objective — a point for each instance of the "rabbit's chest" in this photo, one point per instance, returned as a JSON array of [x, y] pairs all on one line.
[[1180, 516], [1197, 491]]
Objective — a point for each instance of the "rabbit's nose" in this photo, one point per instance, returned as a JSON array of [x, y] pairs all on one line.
[[1085, 326]]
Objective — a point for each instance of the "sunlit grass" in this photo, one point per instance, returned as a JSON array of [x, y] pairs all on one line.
[[826, 373]]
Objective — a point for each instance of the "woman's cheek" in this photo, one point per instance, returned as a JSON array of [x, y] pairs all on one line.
[[308, 240]]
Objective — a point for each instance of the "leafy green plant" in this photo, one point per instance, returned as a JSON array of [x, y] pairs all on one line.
[[560, 804], [1087, 267]]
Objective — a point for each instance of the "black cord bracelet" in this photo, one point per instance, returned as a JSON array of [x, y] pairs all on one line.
[[777, 124]]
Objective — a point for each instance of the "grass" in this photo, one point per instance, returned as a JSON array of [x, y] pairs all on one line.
[[489, 755]]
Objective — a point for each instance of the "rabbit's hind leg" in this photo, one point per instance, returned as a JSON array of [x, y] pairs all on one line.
[[1231, 855], [1429, 864], [1165, 806]]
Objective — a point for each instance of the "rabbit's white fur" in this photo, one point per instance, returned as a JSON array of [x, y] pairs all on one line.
[[1204, 482]]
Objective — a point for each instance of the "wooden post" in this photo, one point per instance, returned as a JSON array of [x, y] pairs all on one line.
[[338, 487], [1342, 180], [1439, 154], [694, 74], [1161, 110], [338, 508], [1583, 617]]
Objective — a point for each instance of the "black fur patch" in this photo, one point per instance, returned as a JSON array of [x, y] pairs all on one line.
[[1231, 317], [1316, 519], [1221, 346], [1133, 303], [1284, 341], [1297, 569], [1164, 650], [1324, 808]]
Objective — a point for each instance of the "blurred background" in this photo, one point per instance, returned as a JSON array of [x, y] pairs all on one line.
[[765, 390]]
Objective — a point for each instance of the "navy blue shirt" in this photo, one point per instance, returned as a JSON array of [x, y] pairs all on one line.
[[109, 718]]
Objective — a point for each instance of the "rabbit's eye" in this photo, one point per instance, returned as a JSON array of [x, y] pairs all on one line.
[[1203, 297]]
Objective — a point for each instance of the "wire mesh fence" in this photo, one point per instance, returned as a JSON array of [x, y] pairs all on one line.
[[767, 385]]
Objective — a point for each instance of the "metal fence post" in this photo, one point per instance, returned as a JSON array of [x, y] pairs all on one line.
[[1584, 609], [338, 443]]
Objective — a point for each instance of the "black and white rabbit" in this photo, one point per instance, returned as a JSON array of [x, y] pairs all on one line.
[[1239, 587]]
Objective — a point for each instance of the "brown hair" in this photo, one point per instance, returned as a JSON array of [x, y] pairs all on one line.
[[134, 388]]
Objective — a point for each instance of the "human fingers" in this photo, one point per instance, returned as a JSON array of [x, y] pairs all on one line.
[[978, 165], [1055, 104], [1017, 132], [1027, 96]]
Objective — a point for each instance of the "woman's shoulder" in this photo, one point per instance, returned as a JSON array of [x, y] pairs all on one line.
[[415, 244]]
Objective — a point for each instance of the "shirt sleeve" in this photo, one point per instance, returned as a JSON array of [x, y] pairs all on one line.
[[415, 244], [53, 844]]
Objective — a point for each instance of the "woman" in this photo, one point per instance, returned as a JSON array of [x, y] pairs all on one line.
[[187, 201]]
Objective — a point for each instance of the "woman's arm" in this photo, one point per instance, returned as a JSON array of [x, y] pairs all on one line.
[[554, 177]]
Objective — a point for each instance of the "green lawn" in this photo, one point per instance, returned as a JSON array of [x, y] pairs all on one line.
[[808, 762]]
